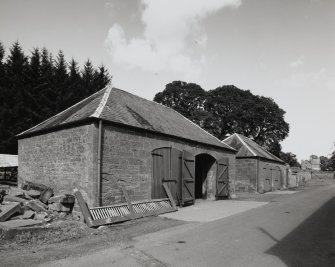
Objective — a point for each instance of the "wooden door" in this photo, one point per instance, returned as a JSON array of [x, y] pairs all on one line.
[[166, 169], [222, 179], [188, 178], [276, 178], [267, 178]]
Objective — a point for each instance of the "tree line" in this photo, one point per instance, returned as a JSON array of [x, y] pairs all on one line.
[[328, 164], [37, 86], [227, 110]]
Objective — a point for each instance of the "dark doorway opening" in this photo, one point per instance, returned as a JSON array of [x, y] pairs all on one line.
[[203, 165]]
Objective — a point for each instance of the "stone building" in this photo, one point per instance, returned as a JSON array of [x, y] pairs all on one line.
[[113, 138], [313, 164], [257, 170]]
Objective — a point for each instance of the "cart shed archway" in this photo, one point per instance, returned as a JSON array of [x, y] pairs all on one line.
[[205, 171]]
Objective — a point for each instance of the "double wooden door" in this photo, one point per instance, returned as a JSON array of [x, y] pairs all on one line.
[[176, 169]]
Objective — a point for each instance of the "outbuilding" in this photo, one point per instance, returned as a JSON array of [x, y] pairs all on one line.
[[8, 169], [257, 170], [114, 137]]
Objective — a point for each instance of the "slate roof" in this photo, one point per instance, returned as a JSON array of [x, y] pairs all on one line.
[[118, 106], [247, 148], [7, 160]]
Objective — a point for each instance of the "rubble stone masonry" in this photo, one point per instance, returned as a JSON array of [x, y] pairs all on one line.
[[246, 174], [68, 158], [63, 160], [127, 159]]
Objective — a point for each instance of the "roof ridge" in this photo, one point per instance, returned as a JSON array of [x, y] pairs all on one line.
[[58, 114], [103, 102], [245, 144]]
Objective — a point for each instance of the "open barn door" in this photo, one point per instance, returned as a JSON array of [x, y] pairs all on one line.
[[222, 179], [188, 178], [166, 170]]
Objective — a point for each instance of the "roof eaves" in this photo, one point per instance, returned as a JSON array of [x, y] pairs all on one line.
[[262, 158], [57, 127], [103, 102]]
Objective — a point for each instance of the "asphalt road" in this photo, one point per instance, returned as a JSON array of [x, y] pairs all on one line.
[[292, 230]]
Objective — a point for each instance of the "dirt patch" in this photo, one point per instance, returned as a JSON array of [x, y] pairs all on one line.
[[69, 238]]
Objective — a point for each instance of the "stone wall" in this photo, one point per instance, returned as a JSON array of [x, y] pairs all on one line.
[[273, 165], [63, 160], [127, 159], [246, 173]]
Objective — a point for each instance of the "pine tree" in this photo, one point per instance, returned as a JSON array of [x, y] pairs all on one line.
[[2, 72], [34, 82], [73, 84], [59, 82], [46, 92], [14, 113], [87, 79], [37, 87], [101, 78]]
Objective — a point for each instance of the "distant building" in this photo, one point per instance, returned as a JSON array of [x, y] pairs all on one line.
[[8, 167], [257, 170], [313, 164]]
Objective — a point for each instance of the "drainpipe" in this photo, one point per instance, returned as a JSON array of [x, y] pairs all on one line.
[[99, 163]]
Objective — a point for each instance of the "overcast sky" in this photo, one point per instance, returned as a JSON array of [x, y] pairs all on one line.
[[283, 49]]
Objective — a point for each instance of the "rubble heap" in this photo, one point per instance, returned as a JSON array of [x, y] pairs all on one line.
[[33, 204]]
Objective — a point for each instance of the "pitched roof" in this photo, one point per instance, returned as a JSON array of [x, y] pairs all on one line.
[[118, 106], [247, 148], [7, 160]]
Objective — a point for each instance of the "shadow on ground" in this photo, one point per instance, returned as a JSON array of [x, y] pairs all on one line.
[[312, 243]]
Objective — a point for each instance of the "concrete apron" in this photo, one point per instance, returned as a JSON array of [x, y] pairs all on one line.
[[210, 210], [281, 192]]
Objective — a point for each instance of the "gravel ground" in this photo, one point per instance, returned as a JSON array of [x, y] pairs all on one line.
[[71, 238]]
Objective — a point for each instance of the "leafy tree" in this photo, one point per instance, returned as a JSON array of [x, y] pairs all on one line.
[[186, 98], [331, 162], [290, 159], [328, 164], [227, 110], [324, 163]]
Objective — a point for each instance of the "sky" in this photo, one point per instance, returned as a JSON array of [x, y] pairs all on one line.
[[283, 49]]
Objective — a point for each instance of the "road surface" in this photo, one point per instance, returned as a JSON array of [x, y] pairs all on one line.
[[292, 230]]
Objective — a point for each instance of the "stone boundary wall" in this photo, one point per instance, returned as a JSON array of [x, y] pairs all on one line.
[[327, 175], [127, 158]]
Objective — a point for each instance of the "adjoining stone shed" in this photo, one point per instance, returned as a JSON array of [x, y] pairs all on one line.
[[113, 138], [257, 170]]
